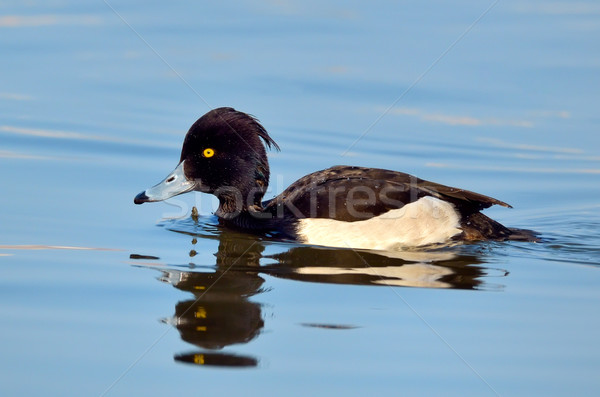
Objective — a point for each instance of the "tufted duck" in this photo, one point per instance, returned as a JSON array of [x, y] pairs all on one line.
[[224, 154]]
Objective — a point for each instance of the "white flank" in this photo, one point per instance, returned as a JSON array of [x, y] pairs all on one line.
[[424, 222]]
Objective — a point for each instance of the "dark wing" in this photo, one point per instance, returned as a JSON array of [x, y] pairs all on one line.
[[356, 193]]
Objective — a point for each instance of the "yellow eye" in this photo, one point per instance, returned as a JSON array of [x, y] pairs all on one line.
[[208, 152]]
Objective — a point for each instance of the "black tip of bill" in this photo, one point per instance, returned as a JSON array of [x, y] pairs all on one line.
[[141, 198]]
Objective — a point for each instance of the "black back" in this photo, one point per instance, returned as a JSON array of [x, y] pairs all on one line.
[[356, 193]]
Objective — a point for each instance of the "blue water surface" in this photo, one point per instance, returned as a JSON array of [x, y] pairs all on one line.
[[102, 297]]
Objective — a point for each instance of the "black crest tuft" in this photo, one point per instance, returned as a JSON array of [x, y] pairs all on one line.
[[240, 123]]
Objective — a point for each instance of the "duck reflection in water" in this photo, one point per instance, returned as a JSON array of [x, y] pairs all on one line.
[[222, 313]]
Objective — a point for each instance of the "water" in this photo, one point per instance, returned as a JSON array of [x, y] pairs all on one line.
[[101, 297]]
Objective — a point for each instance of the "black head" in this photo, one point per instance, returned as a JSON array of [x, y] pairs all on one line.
[[223, 154]]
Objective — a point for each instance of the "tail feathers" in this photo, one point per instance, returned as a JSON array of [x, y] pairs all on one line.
[[477, 226], [524, 235]]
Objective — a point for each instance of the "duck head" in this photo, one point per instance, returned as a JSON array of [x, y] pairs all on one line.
[[223, 154]]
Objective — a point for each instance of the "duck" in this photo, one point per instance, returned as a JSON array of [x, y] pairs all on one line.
[[224, 153]]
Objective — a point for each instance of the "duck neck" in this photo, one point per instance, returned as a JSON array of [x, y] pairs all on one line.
[[249, 218], [243, 206], [242, 209]]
